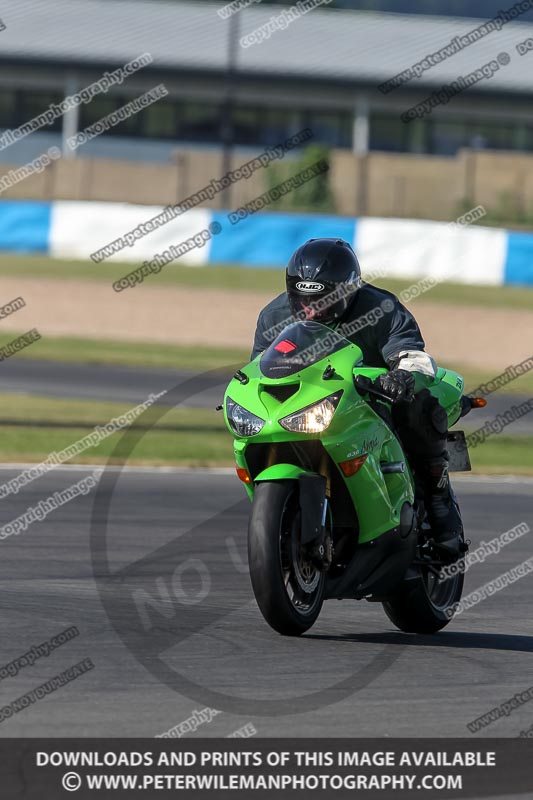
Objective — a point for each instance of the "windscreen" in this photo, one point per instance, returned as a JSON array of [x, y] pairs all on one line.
[[299, 346]]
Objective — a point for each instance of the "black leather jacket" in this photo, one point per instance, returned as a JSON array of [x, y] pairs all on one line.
[[375, 321]]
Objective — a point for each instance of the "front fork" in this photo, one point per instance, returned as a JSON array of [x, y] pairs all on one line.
[[320, 550]]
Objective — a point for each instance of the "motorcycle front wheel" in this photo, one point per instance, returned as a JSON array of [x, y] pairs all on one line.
[[288, 588]]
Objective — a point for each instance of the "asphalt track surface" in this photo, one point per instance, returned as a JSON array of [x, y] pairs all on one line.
[[107, 383], [178, 537], [134, 384]]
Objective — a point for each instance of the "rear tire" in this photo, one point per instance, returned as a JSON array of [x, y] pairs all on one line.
[[424, 604], [412, 610], [289, 590]]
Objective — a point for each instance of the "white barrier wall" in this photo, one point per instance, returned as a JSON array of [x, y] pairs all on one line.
[[78, 229], [405, 248]]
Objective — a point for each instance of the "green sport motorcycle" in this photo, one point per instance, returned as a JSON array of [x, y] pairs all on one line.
[[336, 508]]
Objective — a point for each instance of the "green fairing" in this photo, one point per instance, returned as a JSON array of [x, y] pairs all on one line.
[[356, 429]]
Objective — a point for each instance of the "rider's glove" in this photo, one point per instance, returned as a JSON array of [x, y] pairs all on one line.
[[397, 384]]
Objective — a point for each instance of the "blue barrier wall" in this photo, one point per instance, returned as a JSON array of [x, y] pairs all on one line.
[[266, 240], [519, 259], [25, 226]]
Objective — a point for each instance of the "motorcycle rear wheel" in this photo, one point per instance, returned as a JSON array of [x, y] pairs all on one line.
[[288, 588], [424, 603], [413, 610]]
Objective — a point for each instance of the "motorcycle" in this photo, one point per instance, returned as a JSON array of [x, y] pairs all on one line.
[[337, 511]]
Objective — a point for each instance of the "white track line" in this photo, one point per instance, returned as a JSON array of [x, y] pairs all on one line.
[[457, 478], [93, 467]]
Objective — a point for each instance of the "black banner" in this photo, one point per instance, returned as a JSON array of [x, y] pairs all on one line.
[[45, 769]]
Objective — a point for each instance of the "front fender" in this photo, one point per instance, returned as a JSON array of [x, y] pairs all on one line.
[[280, 472], [311, 495]]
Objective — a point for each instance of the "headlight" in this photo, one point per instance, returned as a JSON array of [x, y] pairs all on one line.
[[242, 422], [313, 419]]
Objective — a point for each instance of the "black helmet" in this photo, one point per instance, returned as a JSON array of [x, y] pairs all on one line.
[[322, 278]]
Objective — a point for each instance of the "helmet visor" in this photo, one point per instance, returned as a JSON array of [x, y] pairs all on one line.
[[317, 301]]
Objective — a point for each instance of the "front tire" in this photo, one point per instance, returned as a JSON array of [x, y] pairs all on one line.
[[289, 590]]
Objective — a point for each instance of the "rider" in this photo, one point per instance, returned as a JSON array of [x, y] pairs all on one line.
[[323, 280]]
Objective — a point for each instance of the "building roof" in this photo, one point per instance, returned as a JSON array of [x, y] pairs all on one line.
[[325, 44]]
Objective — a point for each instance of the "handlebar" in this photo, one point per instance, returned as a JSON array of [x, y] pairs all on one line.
[[365, 385]]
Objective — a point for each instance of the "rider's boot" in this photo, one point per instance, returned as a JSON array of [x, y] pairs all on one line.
[[443, 515]]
